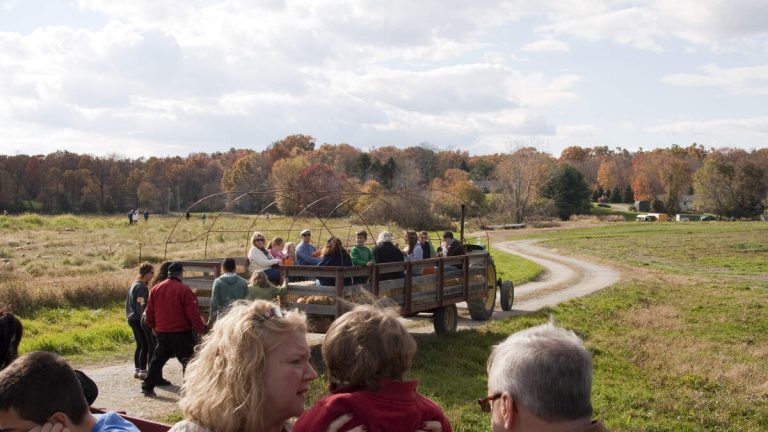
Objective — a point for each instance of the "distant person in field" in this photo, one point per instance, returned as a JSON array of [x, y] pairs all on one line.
[[146, 215], [187, 215], [135, 303], [540, 379], [259, 258], [173, 314], [367, 353], [251, 373], [130, 217], [386, 251], [227, 288], [40, 392], [135, 216], [202, 218]]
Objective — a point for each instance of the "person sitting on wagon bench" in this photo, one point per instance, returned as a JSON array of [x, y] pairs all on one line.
[[334, 255], [452, 247], [306, 253], [40, 392], [386, 251], [259, 258]]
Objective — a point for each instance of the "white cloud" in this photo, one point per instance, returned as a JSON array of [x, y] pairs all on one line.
[[721, 127], [577, 130], [748, 80], [210, 74], [546, 45], [650, 24]]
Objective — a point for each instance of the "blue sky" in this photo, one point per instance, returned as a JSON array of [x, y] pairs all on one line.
[[162, 77]]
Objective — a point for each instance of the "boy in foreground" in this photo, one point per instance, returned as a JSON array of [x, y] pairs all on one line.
[[40, 392]]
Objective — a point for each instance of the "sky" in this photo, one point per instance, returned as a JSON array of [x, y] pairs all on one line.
[[145, 78]]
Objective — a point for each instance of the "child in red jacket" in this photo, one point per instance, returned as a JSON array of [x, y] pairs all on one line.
[[366, 353]]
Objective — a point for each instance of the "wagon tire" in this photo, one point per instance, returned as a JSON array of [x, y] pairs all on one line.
[[482, 309], [446, 320], [507, 295]]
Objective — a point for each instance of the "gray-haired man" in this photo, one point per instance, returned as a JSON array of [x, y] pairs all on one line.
[[540, 379]]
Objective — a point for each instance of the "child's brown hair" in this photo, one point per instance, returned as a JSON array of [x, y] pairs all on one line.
[[365, 345]]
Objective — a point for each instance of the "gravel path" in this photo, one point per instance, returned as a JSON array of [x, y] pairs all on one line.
[[565, 278]]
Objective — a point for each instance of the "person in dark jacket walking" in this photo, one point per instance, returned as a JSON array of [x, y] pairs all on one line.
[[386, 251], [138, 294], [173, 313]]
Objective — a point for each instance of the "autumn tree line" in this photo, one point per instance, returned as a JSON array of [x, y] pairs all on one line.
[[516, 186]]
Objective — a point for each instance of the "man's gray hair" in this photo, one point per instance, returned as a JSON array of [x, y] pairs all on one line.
[[547, 370]]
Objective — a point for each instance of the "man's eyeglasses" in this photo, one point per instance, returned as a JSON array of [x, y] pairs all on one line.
[[260, 239], [485, 403]]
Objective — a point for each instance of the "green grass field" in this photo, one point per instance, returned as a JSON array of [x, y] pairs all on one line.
[[681, 344]]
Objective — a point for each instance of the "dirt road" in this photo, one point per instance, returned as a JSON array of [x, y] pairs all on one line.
[[565, 278]]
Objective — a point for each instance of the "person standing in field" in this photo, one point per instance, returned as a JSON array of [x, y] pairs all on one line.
[[138, 294], [146, 215], [227, 288], [173, 314], [160, 275]]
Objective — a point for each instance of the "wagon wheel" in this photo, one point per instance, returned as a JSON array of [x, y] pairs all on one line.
[[482, 309], [507, 294], [446, 320]]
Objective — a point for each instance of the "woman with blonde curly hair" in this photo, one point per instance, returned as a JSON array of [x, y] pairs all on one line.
[[251, 372]]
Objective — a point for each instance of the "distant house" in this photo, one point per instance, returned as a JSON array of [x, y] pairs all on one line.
[[643, 206], [686, 203]]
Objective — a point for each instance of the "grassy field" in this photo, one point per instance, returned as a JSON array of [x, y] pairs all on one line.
[[67, 276], [681, 344]]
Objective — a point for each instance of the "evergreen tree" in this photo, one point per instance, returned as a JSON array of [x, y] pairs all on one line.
[[597, 193], [629, 196], [616, 195], [569, 191]]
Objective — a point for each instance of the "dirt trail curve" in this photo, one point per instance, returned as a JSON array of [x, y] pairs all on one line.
[[565, 278]]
